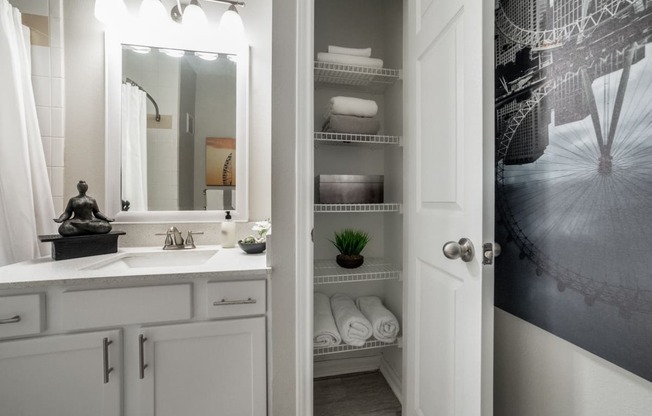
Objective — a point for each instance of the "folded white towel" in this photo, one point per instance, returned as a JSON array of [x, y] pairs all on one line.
[[366, 52], [325, 331], [384, 323], [351, 106], [338, 58], [354, 328]]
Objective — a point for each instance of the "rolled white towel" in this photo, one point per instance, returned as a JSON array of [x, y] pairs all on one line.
[[325, 331], [351, 106], [384, 323], [338, 58], [366, 52], [354, 328]]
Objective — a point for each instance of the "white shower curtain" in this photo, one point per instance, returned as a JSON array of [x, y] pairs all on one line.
[[26, 208], [134, 147]]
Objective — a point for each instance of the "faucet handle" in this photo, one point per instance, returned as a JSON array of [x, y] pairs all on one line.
[[190, 242], [168, 242]]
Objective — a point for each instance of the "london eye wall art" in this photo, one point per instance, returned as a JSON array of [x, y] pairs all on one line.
[[574, 172]]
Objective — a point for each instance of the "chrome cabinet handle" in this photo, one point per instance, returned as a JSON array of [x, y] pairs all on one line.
[[141, 355], [225, 302], [461, 250], [105, 355], [12, 320]]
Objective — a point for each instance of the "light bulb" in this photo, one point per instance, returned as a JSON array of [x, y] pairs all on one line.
[[174, 53], [141, 49], [110, 12], [152, 12], [231, 30], [194, 18], [206, 56]]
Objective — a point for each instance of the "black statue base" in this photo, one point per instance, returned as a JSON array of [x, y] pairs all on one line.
[[82, 246]]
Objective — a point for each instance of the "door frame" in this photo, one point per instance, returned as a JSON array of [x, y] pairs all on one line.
[[302, 190]]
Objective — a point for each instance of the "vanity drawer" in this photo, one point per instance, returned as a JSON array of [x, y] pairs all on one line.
[[22, 315], [125, 306], [227, 299]]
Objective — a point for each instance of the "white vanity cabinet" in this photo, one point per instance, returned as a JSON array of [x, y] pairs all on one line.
[[163, 345], [207, 368], [62, 375]]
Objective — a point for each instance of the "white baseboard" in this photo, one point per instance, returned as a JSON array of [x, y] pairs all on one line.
[[393, 378], [345, 366]]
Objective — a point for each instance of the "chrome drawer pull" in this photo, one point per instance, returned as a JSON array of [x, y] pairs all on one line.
[[12, 320], [141, 356], [105, 358], [225, 302]]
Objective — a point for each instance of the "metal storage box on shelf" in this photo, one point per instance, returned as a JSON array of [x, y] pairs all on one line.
[[349, 189]]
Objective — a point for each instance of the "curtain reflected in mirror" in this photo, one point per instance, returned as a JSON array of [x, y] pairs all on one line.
[[178, 130]]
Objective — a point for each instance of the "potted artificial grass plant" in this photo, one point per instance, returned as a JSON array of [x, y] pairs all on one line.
[[350, 243]]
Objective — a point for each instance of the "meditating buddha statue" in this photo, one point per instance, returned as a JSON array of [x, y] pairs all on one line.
[[82, 216]]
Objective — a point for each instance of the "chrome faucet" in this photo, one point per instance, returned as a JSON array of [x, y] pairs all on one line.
[[174, 240]]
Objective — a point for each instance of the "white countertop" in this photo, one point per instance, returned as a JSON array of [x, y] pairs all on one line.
[[46, 271]]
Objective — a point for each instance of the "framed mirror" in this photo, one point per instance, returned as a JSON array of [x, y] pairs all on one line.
[[176, 130]]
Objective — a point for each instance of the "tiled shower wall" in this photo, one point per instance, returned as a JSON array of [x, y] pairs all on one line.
[[45, 20]]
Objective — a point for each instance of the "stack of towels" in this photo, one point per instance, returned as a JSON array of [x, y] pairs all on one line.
[[340, 319], [352, 115], [349, 56]]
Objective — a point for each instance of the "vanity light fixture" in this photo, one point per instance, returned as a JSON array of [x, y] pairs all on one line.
[[191, 16]]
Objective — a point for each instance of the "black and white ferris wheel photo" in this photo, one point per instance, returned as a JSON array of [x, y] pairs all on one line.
[[574, 172]]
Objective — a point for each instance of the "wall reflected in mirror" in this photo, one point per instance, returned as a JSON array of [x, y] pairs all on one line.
[[178, 130]]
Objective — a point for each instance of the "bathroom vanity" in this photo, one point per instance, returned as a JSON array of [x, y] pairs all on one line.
[[139, 332]]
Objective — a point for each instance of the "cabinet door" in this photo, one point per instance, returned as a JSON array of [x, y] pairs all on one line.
[[61, 375], [208, 368], [449, 124]]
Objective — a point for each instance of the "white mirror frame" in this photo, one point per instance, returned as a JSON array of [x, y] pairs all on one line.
[[113, 141]]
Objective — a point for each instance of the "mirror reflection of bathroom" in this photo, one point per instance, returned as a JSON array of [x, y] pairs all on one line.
[[178, 130]]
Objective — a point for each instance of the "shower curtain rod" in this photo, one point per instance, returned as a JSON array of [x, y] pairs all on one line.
[[149, 97]]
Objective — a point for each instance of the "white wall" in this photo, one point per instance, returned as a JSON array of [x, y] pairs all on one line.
[[539, 374]]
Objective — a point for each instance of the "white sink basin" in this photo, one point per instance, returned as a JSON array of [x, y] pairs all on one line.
[[155, 259]]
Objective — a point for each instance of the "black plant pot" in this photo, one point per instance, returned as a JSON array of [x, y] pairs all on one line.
[[349, 261]]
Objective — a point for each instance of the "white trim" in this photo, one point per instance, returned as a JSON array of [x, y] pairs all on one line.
[[392, 378], [304, 213], [329, 368]]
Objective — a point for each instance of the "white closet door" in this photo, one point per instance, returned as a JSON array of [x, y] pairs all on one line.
[[449, 113]]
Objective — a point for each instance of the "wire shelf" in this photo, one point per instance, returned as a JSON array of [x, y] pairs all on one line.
[[352, 75], [327, 271], [335, 208], [371, 344], [339, 138]]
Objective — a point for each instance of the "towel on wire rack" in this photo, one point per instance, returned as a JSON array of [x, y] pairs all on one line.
[[325, 331], [354, 328], [338, 58], [384, 323], [366, 52], [351, 124], [351, 106]]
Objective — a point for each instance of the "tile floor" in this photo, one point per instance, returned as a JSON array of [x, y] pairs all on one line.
[[361, 394]]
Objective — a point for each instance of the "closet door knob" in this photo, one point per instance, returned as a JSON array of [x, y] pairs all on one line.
[[463, 249]]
